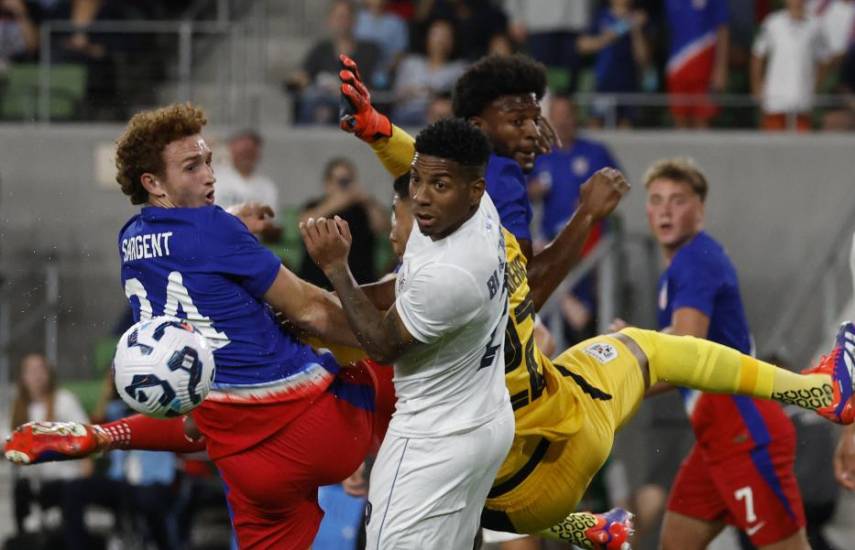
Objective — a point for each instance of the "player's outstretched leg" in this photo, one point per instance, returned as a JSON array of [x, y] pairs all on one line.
[[36, 442], [708, 366], [608, 531]]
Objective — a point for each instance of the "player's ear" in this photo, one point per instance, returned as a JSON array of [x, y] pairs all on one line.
[[476, 190], [151, 184]]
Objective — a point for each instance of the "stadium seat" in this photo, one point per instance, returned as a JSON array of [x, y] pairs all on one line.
[[20, 99]]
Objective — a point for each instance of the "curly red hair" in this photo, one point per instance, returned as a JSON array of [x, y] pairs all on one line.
[[140, 148]]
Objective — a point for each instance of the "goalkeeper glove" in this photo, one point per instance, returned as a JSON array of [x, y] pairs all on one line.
[[356, 114]]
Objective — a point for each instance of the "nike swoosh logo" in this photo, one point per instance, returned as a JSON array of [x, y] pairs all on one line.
[[750, 531]]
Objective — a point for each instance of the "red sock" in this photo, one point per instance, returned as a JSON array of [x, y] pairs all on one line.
[[144, 433]]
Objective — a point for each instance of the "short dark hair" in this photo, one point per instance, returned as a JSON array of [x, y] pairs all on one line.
[[495, 76], [455, 139], [402, 186], [680, 169]]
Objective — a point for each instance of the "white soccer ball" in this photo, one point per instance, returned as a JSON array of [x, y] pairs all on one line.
[[163, 367]]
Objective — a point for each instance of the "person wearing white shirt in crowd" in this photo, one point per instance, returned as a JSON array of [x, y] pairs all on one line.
[[837, 18], [38, 399], [793, 47], [239, 181]]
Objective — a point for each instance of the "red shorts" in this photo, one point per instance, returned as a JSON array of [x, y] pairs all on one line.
[[755, 492], [693, 78], [272, 486]]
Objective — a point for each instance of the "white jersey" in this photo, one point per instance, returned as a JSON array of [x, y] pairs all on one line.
[[452, 298]]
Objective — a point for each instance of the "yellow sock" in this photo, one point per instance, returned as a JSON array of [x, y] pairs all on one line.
[[708, 366]]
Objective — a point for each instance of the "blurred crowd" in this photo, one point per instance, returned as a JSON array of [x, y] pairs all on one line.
[[723, 63], [775, 55]]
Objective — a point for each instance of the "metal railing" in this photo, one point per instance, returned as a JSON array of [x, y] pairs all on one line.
[[232, 78], [610, 105], [607, 262]]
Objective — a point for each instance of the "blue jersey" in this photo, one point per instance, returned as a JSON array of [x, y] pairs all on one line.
[[507, 189], [203, 265], [692, 25], [702, 277], [563, 172]]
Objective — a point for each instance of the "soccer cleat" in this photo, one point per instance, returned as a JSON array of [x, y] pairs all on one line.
[[36, 442], [840, 365], [612, 530]]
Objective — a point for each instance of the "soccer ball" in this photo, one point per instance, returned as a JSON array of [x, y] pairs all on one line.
[[163, 367]]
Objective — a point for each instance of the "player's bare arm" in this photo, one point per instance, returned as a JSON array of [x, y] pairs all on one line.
[[380, 333], [311, 309], [381, 293], [598, 197], [688, 321]]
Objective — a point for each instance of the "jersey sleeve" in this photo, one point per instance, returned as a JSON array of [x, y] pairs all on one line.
[[236, 253], [694, 283], [508, 192], [438, 299]]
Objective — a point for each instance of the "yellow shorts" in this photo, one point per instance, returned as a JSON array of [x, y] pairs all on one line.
[[550, 477]]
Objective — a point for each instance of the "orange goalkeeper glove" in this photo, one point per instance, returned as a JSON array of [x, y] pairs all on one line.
[[356, 114]]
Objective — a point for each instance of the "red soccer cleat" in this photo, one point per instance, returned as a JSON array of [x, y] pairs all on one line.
[[840, 365], [612, 530], [36, 442]]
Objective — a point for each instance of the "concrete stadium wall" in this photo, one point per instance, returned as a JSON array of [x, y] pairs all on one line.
[[774, 202]]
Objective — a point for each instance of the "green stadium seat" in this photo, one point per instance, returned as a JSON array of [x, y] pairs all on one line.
[[20, 94]]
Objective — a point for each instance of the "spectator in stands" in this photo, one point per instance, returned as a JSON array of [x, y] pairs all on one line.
[[549, 29], [475, 22], [317, 81], [39, 399], [501, 44], [440, 107], [555, 182], [19, 37], [788, 62], [837, 18], [698, 58], [137, 487], [389, 32], [422, 76], [345, 197], [617, 37], [238, 180]]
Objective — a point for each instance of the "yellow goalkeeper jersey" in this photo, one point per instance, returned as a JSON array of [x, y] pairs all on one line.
[[544, 401]]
